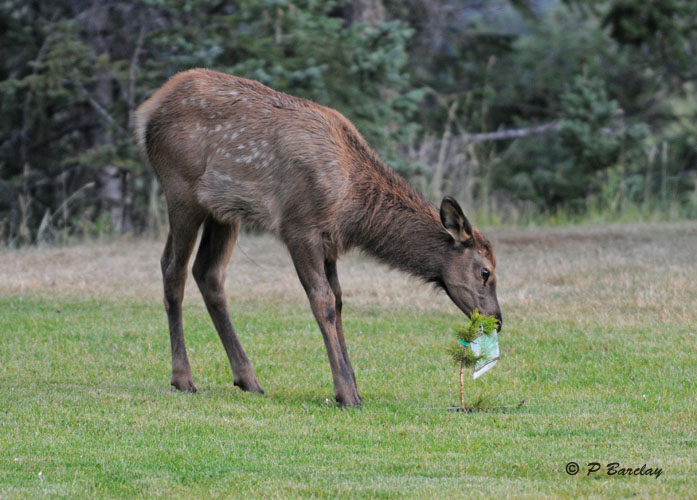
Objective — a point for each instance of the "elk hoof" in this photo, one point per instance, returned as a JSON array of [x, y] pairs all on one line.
[[184, 384], [249, 386], [351, 400]]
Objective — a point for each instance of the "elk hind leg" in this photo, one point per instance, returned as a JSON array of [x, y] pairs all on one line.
[[180, 243], [217, 242]]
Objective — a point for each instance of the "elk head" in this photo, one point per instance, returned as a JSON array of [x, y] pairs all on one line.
[[468, 269]]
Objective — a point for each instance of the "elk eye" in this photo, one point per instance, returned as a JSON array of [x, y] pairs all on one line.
[[485, 274]]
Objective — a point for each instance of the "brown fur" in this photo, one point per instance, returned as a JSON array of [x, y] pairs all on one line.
[[228, 150]]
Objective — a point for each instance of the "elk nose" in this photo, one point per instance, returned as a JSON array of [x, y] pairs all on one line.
[[499, 325]]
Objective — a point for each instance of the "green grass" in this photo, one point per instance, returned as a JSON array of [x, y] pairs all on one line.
[[86, 409]]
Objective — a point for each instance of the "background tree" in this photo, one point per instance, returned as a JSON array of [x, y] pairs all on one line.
[[524, 109]]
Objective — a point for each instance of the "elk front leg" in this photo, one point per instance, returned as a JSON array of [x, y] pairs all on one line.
[[333, 278], [308, 259]]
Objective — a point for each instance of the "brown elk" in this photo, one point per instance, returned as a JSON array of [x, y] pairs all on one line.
[[228, 150]]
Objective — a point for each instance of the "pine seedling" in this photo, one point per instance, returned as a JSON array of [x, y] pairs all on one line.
[[461, 352]]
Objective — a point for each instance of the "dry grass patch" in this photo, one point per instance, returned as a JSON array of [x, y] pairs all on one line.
[[623, 274]]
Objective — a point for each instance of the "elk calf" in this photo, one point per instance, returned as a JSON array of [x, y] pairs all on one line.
[[228, 150]]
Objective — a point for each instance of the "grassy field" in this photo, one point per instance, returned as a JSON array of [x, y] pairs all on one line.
[[599, 340]]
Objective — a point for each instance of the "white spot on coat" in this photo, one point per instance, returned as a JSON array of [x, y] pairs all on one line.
[[221, 176]]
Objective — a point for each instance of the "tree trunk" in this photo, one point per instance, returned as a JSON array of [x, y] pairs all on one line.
[[437, 179], [366, 11], [111, 194], [462, 384]]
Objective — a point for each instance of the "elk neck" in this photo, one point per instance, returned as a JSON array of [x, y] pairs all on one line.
[[394, 223]]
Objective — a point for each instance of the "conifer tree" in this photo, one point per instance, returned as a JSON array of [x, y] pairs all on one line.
[[461, 352]]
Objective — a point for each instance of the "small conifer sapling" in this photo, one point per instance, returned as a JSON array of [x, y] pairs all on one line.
[[461, 352]]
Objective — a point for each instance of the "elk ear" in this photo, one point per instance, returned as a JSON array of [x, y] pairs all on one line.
[[454, 221]]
